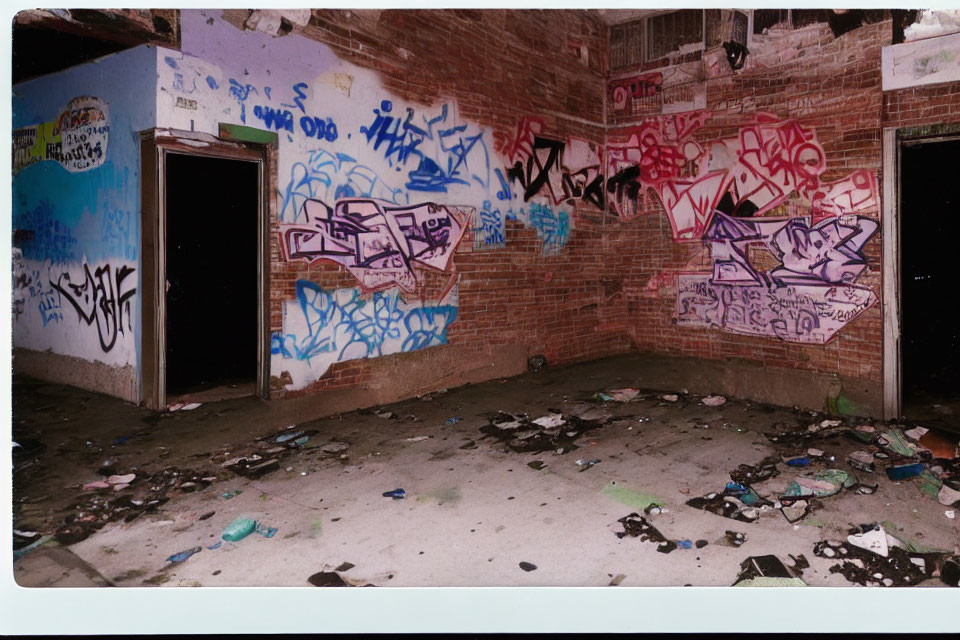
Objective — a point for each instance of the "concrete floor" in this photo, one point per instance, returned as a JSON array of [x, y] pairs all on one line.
[[470, 516]]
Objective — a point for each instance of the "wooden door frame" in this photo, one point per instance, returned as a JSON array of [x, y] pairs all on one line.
[[155, 146]]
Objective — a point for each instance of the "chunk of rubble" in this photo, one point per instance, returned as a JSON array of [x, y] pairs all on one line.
[[861, 564], [714, 401], [949, 495], [669, 397], [766, 571], [623, 395], [635, 525], [550, 421]]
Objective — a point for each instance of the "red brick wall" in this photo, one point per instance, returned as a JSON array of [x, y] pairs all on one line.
[[832, 85], [499, 66], [591, 300]]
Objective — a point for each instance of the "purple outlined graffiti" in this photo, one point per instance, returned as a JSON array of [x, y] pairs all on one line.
[[102, 297], [808, 298], [378, 243]]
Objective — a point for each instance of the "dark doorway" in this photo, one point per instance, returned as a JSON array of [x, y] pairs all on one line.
[[929, 228], [211, 265]]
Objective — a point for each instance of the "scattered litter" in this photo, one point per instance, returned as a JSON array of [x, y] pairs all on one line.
[[326, 579], [239, 529], [603, 397], [766, 571], [586, 465], [623, 395], [823, 483], [635, 525], [684, 544], [862, 460], [893, 441], [527, 566], [930, 484], [386, 415], [916, 433], [653, 509], [226, 495], [537, 465], [734, 538], [418, 439], [207, 515], [669, 397], [865, 567], [714, 401], [874, 539], [184, 406], [537, 438], [177, 558], [453, 420], [265, 531], [536, 363], [763, 470], [902, 472], [949, 496], [396, 494], [334, 447], [216, 545], [99, 484], [700, 544], [124, 479], [345, 566], [950, 514], [814, 453], [617, 579], [798, 462], [550, 421]]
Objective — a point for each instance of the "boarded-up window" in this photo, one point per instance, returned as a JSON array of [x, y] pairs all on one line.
[[668, 32], [626, 44]]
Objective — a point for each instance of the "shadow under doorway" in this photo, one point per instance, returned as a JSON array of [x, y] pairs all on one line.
[[211, 277], [930, 331]]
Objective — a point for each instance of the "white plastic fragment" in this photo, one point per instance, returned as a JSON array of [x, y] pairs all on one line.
[[550, 420], [714, 401], [670, 397], [874, 540], [950, 514], [816, 453], [418, 438], [916, 433], [948, 496], [125, 479]]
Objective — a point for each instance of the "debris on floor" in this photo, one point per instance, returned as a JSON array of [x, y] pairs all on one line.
[[327, 579], [549, 433], [177, 558], [872, 557], [635, 525], [766, 571], [586, 464], [396, 494], [528, 566], [714, 401], [536, 363], [239, 529]]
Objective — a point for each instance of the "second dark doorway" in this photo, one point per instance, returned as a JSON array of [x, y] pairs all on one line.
[[930, 334], [211, 267]]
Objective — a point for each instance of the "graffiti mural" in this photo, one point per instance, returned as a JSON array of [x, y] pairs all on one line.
[[552, 225], [322, 327], [559, 171], [330, 176], [624, 91], [489, 230], [102, 297], [379, 243], [437, 153], [743, 176], [808, 298], [77, 139]]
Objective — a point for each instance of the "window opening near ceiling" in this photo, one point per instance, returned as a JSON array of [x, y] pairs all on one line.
[[669, 32]]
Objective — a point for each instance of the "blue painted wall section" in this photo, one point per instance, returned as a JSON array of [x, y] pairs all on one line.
[[78, 216]]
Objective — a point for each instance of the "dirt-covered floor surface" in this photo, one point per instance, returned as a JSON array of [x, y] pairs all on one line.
[[563, 477]]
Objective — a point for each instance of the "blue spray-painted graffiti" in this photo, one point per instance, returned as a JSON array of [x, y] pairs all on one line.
[[312, 126], [115, 233], [240, 93], [52, 239], [341, 325], [330, 176], [552, 226], [456, 157], [490, 231], [49, 307]]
